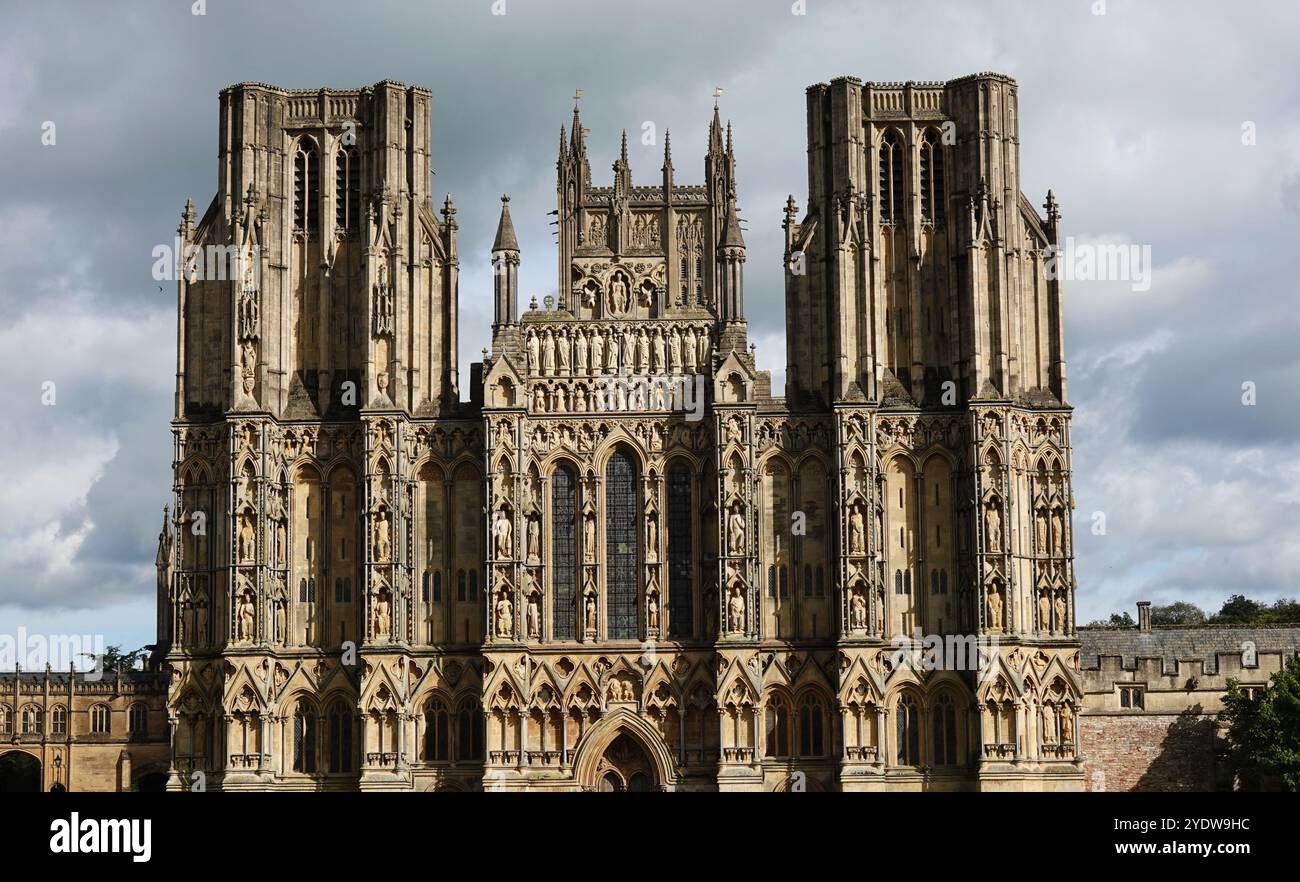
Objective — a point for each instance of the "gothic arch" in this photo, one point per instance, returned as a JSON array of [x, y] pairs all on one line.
[[601, 734]]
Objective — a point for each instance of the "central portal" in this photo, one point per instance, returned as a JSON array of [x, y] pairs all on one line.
[[625, 767]]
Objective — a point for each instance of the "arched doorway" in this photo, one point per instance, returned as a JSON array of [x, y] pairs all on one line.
[[151, 782], [625, 767], [20, 772]]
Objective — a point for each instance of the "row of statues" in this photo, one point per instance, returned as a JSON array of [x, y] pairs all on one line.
[[563, 352]]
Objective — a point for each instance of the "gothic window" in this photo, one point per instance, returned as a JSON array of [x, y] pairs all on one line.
[[340, 736], [32, 720], [892, 186], [821, 581], [469, 731], [810, 727], [304, 738], [785, 581], [932, 198], [306, 188], [437, 728], [564, 535], [807, 580], [58, 721], [99, 720], [778, 727], [460, 585], [437, 587], [347, 190], [898, 581], [621, 546], [681, 604], [302, 590], [137, 720], [908, 731], [934, 581], [473, 584], [424, 587], [944, 720], [6, 720]]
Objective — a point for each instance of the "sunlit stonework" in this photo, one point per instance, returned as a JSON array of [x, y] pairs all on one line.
[[623, 564]]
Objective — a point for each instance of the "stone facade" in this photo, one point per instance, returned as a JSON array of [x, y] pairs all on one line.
[[77, 732], [1152, 698]]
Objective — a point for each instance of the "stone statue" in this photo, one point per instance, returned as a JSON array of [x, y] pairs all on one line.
[[857, 531], [597, 352], [736, 531], [736, 611], [383, 614], [1060, 611], [993, 524], [247, 539], [1058, 532], [539, 399], [548, 354], [505, 616], [201, 616], [674, 350], [246, 614], [534, 617], [383, 537], [702, 349], [589, 538], [502, 528], [1040, 532], [534, 353], [533, 540], [688, 350], [995, 609], [590, 606], [1049, 724], [562, 353], [611, 353], [629, 350], [652, 613], [580, 352], [658, 353], [618, 294], [279, 621], [858, 616], [651, 537], [1044, 611]]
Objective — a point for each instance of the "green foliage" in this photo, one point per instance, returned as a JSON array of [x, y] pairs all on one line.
[[1117, 620], [1263, 740], [1241, 610], [113, 658], [1178, 613]]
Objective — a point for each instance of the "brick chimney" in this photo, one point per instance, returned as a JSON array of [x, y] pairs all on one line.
[[1144, 616]]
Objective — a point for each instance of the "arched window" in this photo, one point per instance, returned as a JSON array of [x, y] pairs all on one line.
[[6, 720], [810, 726], [437, 732], [32, 720], [340, 737], [473, 584], [306, 188], [892, 186], [932, 196], [785, 581], [821, 581], [771, 582], [681, 603], [100, 720], [622, 520], [907, 725], [807, 580], [302, 590], [944, 719], [304, 738], [564, 552], [460, 585], [347, 190], [469, 731], [898, 581], [778, 727], [58, 721], [137, 720], [437, 587]]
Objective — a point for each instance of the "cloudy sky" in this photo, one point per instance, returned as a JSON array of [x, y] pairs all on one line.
[[1135, 118]]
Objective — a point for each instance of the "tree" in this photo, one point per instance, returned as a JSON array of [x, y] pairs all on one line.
[[1178, 613], [1117, 620], [113, 657], [1263, 741], [1238, 610]]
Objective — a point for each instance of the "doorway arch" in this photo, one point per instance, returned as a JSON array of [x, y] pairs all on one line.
[[622, 752], [20, 772]]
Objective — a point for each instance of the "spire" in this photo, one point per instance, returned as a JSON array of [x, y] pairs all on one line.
[[622, 155], [564, 150], [668, 149], [731, 236], [505, 240], [715, 132], [729, 137]]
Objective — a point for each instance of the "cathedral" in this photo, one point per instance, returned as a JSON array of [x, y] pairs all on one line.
[[622, 563]]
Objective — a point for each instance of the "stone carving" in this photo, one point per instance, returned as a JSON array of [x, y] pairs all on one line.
[[736, 611], [504, 534], [858, 611], [736, 531], [993, 527], [995, 608], [505, 615], [383, 537], [534, 617], [534, 530], [857, 531], [383, 613]]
